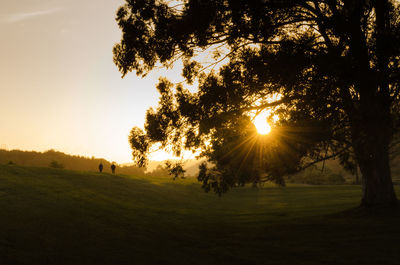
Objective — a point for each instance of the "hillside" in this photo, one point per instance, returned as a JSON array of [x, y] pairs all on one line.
[[191, 166], [333, 172], [53, 216], [45, 159]]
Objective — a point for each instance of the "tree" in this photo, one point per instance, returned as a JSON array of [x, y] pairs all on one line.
[[328, 68], [175, 169]]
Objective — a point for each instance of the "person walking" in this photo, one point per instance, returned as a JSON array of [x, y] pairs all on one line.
[[101, 167], [113, 168]]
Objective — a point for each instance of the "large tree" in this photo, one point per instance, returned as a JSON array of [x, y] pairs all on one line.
[[330, 69]]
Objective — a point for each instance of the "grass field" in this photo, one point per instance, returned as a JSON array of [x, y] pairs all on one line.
[[51, 216]]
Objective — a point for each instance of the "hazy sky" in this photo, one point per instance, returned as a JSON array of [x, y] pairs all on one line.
[[59, 87]]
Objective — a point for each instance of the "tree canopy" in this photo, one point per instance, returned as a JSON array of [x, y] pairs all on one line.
[[329, 69]]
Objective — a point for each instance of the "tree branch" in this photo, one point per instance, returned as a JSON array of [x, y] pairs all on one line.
[[324, 158]]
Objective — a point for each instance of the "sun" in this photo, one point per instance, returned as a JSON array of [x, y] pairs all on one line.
[[260, 121]]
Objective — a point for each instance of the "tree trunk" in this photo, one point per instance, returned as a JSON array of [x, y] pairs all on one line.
[[371, 146], [377, 186], [373, 125], [357, 176]]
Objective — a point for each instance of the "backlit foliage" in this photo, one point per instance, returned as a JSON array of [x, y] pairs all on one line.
[[335, 65]]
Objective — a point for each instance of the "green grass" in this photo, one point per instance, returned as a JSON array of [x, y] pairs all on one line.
[[51, 216]]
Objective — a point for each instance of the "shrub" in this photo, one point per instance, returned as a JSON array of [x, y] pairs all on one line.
[[315, 176], [55, 164]]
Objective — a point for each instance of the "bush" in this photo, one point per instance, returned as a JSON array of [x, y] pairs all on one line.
[[55, 164], [336, 179], [315, 176]]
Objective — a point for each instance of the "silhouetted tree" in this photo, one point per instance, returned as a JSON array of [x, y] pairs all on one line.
[[175, 169], [328, 68]]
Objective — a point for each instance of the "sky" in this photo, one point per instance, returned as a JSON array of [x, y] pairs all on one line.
[[58, 84]]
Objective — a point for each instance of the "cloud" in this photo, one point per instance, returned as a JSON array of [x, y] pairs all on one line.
[[14, 18]]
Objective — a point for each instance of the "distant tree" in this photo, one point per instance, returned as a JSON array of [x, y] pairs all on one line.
[[175, 169], [314, 175], [329, 68], [55, 164]]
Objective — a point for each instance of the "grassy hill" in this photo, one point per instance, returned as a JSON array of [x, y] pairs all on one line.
[[54, 216], [57, 159]]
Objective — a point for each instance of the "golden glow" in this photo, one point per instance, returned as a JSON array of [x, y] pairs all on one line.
[[260, 121]]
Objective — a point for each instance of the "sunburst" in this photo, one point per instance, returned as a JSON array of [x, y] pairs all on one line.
[[260, 121]]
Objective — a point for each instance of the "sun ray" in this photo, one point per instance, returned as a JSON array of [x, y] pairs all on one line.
[[238, 146], [249, 149]]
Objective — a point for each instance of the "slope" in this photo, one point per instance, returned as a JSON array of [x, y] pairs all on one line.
[[53, 216]]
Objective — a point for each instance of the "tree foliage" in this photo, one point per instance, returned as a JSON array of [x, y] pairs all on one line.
[[330, 69]]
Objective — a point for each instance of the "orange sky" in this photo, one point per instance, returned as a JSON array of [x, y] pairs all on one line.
[[59, 87]]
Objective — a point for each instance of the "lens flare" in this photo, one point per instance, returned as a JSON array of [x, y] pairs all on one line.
[[260, 121]]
